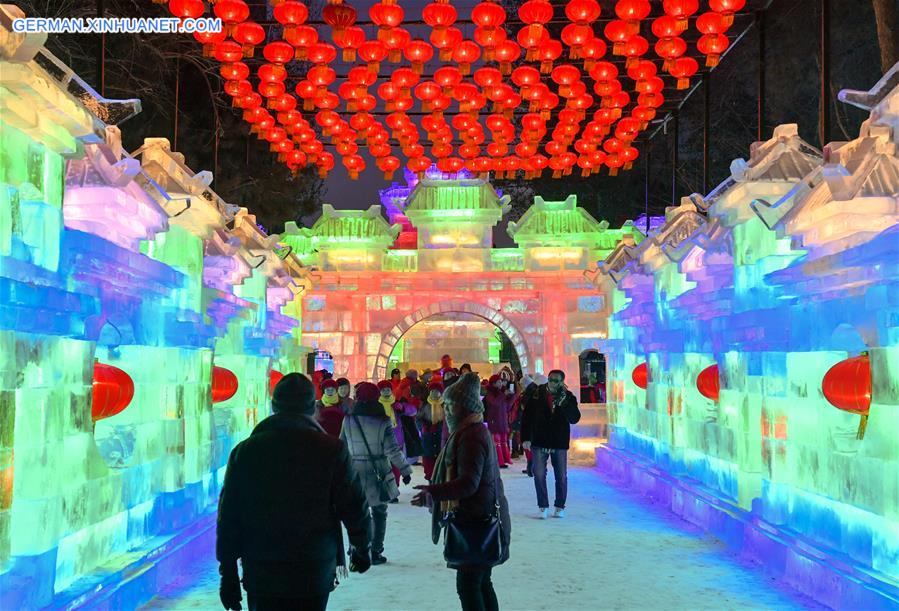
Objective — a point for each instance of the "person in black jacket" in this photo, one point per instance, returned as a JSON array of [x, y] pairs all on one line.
[[287, 489], [466, 481], [546, 431]]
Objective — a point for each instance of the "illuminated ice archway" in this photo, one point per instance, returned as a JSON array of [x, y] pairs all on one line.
[[390, 339]]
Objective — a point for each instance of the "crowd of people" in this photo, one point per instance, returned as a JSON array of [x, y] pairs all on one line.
[[335, 453]]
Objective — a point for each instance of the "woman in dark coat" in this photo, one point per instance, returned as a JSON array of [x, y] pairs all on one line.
[[498, 404], [432, 419], [466, 481], [368, 423]]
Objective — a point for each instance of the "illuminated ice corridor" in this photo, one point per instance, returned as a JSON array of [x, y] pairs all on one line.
[[748, 340], [607, 537]]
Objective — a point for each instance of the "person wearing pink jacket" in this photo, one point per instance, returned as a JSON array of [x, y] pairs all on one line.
[[498, 403]]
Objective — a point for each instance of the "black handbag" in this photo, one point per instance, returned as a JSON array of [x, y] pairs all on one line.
[[383, 483], [472, 542]]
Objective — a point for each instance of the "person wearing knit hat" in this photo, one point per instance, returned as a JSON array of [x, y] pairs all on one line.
[[395, 408], [372, 444], [432, 417], [298, 567], [538, 380], [466, 481], [343, 391], [327, 409], [412, 393], [515, 416], [498, 404]]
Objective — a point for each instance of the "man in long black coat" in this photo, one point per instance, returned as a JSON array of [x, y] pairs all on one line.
[[546, 431], [287, 489]]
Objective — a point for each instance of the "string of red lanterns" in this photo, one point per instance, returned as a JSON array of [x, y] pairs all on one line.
[[542, 90]]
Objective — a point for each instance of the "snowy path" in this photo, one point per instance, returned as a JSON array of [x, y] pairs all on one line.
[[611, 552]]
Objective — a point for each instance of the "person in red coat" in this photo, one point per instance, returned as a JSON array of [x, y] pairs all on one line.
[[498, 403], [327, 409]]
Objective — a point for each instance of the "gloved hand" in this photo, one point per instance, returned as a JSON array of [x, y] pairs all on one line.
[[229, 586], [526, 445], [360, 561], [406, 479]]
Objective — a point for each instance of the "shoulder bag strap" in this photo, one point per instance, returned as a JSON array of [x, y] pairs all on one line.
[[364, 440]]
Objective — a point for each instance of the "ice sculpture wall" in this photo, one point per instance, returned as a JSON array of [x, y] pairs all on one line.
[[132, 261], [787, 268], [370, 288]]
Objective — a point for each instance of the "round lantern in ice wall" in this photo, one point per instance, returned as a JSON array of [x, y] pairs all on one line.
[[847, 386], [224, 384], [274, 377], [640, 375], [707, 383], [112, 391]]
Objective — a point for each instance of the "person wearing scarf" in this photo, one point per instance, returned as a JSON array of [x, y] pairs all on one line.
[[285, 530], [343, 391], [327, 409], [432, 419], [393, 408], [466, 480]]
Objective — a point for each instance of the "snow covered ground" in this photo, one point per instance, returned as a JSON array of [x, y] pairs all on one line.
[[612, 551]]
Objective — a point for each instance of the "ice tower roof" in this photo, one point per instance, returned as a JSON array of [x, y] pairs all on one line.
[[469, 198], [357, 227], [556, 223]]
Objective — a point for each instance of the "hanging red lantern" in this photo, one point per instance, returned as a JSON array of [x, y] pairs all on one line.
[[111, 393], [248, 34], [682, 69], [373, 52], [349, 40], [680, 10], [640, 375], [711, 23], [632, 12], [224, 384], [388, 165], [506, 54], [669, 49], [727, 8], [549, 51], [228, 52], [290, 14], [708, 384], [386, 16], [576, 36], [439, 15], [231, 12], [237, 71], [447, 77], [712, 46], [564, 76], [418, 52], [321, 53], [187, 9], [396, 40], [278, 52], [847, 385], [275, 376], [583, 11], [535, 13], [301, 37], [635, 47], [209, 40], [445, 41], [339, 16], [465, 55], [354, 164], [617, 32]]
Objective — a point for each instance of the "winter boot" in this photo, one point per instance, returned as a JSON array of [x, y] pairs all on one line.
[[559, 512], [544, 513], [378, 557]]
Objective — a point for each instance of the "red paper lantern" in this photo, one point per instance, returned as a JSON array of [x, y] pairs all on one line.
[[418, 52], [535, 13], [224, 384], [248, 34], [373, 52], [445, 41], [187, 9], [275, 376], [278, 52], [439, 15], [712, 46], [112, 391], [236, 71], [708, 384], [465, 55], [617, 32], [727, 8], [228, 52], [847, 385], [682, 69], [680, 10], [576, 36], [711, 23], [231, 12], [549, 51], [640, 375], [339, 16], [583, 11], [564, 76], [350, 40], [301, 37], [386, 16]]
